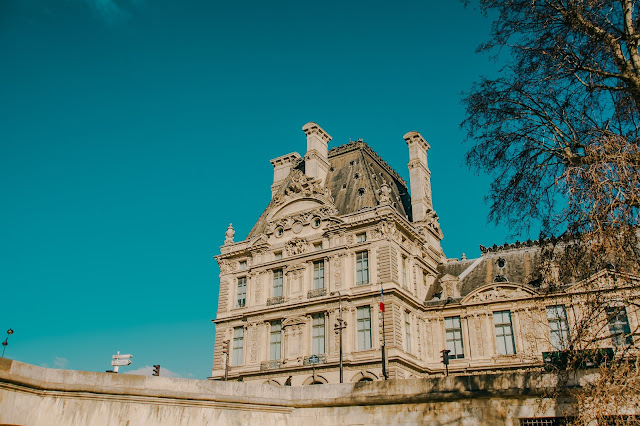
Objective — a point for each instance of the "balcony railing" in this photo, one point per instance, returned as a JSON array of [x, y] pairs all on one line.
[[275, 300], [316, 293], [270, 365]]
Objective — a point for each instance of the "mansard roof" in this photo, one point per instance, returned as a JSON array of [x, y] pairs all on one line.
[[511, 263], [355, 175]]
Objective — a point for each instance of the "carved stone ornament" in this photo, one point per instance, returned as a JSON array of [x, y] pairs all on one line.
[[296, 321], [385, 229], [297, 246], [229, 235], [305, 218], [301, 185], [385, 194], [499, 292], [226, 266]]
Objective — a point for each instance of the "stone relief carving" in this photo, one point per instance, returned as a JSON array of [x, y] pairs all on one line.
[[305, 218], [385, 194], [498, 292], [336, 267], [386, 229], [253, 335], [297, 246], [301, 185], [226, 266]]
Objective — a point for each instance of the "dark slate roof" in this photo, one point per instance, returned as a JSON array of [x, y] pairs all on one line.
[[515, 265], [355, 175]]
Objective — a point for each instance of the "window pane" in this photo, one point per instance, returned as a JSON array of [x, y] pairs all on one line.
[[504, 333], [558, 326], [453, 332], [362, 268], [238, 338], [364, 327], [619, 326], [277, 283], [318, 334], [242, 291], [318, 274], [407, 325], [275, 346]]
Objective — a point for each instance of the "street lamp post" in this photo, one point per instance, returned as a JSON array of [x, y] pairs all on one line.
[[6, 341], [339, 326]]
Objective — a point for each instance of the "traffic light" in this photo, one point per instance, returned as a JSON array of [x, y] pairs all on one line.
[[225, 347], [156, 370], [445, 359], [445, 356]]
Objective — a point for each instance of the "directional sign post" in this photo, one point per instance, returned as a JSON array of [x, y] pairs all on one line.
[[313, 360], [118, 360]]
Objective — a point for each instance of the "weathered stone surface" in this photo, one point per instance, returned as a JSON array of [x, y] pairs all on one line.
[[31, 395]]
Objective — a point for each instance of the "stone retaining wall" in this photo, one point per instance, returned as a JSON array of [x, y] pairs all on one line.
[[33, 396]]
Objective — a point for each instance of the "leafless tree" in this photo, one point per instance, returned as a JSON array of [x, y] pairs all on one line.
[[559, 129]]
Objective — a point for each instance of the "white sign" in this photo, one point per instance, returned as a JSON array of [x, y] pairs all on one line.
[[118, 362], [127, 356]]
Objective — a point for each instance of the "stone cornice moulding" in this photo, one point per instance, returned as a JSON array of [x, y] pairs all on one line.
[[292, 158], [312, 128], [415, 137]]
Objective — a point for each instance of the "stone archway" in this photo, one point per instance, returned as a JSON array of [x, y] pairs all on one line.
[[364, 376], [319, 380]]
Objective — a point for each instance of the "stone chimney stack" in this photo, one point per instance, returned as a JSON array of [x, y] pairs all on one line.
[[419, 176], [316, 160], [281, 168]]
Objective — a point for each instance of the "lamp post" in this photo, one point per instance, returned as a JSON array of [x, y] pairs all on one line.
[[339, 326], [6, 341]]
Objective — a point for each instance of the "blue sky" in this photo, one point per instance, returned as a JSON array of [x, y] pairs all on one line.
[[133, 132]]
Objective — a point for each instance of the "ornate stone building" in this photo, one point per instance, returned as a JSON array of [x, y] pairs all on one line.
[[340, 227]]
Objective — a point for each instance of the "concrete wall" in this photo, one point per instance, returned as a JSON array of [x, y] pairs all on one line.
[[33, 396]]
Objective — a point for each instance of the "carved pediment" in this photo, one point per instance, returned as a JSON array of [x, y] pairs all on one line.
[[293, 321], [498, 291], [303, 193]]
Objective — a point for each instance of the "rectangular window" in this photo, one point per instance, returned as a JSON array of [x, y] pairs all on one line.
[[558, 327], [277, 255], [242, 291], [243, 264], [619, 326], [453, 332], [504, 333], [362, 268], [238, 344], [317, 246], [277, 283], [275, 343], [318, 274], [364, 328], [407, 332], [361, 238], [317, 344], [404, 271]]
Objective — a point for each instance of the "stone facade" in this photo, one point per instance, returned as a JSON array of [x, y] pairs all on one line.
[[340, 228]]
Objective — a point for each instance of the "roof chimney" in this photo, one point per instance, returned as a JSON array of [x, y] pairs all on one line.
[[316, 160], [281, 168], [419, 176]]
